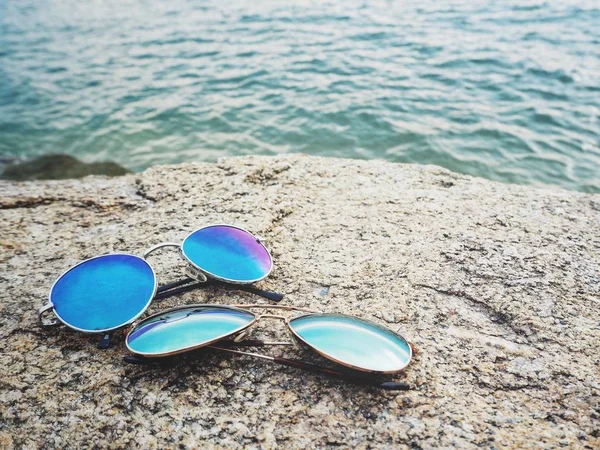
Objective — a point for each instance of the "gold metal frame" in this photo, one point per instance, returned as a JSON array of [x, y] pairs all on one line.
[[187, 349], [241, 332], [360, 369]]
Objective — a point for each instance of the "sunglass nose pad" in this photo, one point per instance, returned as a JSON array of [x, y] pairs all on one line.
[[241, 336], [196, 274], [294, 340]]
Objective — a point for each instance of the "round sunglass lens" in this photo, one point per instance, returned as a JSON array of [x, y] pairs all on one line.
[[353, 342], [103, 293], [228, 253], [185, 329]]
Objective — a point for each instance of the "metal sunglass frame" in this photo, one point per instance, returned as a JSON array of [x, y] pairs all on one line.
[[237, 338], [196, 278]]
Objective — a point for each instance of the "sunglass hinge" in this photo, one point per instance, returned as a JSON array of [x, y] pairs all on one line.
[[105, 341]]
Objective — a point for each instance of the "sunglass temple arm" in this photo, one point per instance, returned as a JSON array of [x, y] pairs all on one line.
[[157, 246], [354, 378], [189, 284], [140, 360]]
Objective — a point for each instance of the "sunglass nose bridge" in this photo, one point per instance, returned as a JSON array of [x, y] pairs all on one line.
[[158, 246], [272, 316]]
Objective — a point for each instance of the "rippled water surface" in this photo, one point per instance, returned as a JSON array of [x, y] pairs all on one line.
[[506, 90]]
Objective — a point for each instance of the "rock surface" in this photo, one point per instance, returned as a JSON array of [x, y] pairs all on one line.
[[497, 285]]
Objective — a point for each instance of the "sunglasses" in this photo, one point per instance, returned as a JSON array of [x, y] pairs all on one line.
[[105, 293], [348, 341]]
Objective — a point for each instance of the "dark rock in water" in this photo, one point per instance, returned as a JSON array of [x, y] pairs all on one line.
[[59, 167]]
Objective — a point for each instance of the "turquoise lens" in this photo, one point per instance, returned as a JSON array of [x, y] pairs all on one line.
[[354, 342], [104, 293], [186, 328], [228, 253]]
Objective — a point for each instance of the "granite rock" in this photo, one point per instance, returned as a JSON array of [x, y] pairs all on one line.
[[497, 285]]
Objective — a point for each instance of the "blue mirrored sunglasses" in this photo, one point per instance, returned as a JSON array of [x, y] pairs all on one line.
[[107, 292], [351, 342]]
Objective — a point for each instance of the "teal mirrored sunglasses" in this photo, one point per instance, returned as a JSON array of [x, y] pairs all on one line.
[[354, 343]]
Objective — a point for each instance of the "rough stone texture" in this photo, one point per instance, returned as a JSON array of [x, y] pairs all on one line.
[[498, 286]]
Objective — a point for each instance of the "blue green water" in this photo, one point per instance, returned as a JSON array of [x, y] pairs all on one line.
[[506, 90]]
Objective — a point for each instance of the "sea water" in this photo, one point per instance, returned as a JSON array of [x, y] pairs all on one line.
[[506, 90]]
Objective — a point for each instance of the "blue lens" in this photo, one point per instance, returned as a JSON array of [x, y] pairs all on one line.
[[104, 293], [228, 253], [186, 328], [353, 342]]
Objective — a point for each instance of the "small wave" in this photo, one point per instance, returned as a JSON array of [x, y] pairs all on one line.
[[546, 119], [238, 79], [372, 36], [551, 74], [534, 7], [56, 69], [545, 93], [462, 63]]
